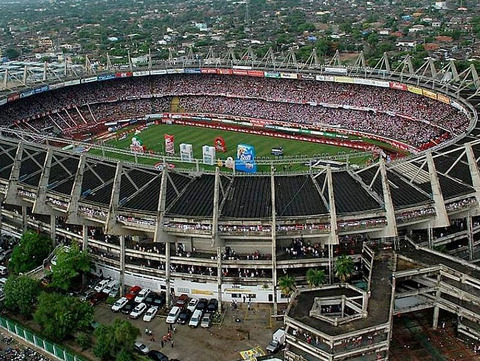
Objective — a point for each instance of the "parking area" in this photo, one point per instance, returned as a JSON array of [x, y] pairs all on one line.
[[233, 330]]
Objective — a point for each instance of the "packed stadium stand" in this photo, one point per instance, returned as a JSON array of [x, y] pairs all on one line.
[[411, 226]]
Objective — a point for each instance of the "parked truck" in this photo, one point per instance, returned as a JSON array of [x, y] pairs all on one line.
[[277, 342]]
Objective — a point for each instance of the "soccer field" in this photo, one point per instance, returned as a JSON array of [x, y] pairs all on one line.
[[153, 139]]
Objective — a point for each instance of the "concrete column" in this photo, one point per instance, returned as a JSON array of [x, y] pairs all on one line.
[[442, 219], [167, 272], [40, 204], [122, 264], [1, 205], [72, 210], [436, 309], [430, 236], [274, 243], [436, 312], [111, 225], [219, 278], [470, 238], [53, 229], [12, 188], [24, 218], [85, 237], [216, 241], [474, 172], [333, 238], [391, 228]]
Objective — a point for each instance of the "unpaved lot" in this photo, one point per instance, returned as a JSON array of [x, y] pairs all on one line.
[[221, 342]]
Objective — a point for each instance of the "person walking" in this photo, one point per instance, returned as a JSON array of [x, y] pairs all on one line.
[[172, 342]]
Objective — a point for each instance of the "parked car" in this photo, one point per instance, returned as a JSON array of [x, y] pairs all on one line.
[[173, 314], [110, 286], [138, 310], [156, 355], [101, 285], [212, 306], [192, 304], [119, 304], [133, 292], [150, 314], [141, 348], [184, 316], [159, 301], [202, 304], [114, 291], [206, 320], [97, 298], [3, 271], [142, 295], [5, 254], [196, 318], [129, 307], [89, 293], [182, 301], [150, 298]]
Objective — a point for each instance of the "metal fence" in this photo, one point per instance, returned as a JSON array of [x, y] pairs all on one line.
[[50, 348]]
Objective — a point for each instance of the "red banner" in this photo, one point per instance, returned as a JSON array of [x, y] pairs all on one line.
[[169, 144], [219, 145]]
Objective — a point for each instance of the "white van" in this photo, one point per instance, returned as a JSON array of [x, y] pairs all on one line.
[[196, 318]]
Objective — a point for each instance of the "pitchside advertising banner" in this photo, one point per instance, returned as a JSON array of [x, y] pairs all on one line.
[[169, 144], [186, 152], [245, 160], [208, 153]]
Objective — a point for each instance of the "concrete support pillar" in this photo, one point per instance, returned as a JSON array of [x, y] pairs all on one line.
[[85, 238], [122, 264], [111, 225], [430, 236], [216, 241], [470, 237], [53, 229], [24, 218], [274, 243], [333, 238], [436, 312], [474, 171], [1, 206], [167, 273], [391, 228], [436, 309], [219, 278], [442, 219]]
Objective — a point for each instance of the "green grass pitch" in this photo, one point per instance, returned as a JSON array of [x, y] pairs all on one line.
[[153, 139]]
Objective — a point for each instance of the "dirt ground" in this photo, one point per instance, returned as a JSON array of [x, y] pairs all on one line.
[[221, 342]]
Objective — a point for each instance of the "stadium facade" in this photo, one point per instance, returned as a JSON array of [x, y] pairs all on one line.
[[232, 236]]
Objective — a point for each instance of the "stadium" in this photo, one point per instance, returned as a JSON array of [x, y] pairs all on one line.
[[231, 232]]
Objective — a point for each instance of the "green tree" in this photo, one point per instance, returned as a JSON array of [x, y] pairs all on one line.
[[30, 253], [315, 277], [344, 268], [12, 53], [286, 284], [115, 340], [21, 294], [61, 316], [72, 263]]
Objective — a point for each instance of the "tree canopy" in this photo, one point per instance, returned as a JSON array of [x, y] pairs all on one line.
[[315, 277], [71, 264], [286, 284], [32, 249], [21, 294], [115, 340], [61, 316], [344, 267]]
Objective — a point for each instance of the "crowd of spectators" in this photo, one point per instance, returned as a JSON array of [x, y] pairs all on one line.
[[391, 113]]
